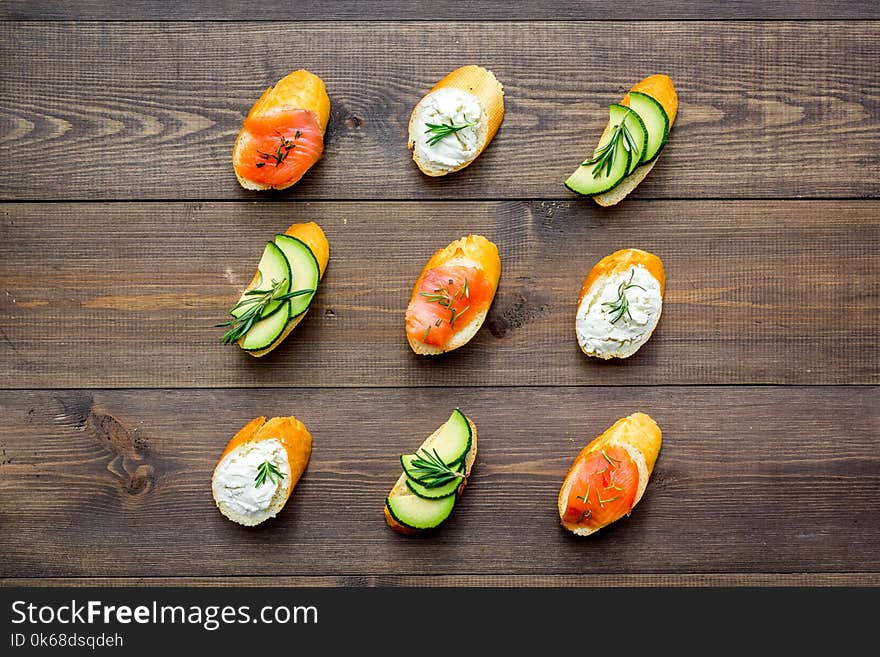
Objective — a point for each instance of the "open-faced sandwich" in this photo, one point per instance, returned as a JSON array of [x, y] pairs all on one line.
[[451, 297], [456, 120], [259, 468], [433, 477], [280, 293], [620, 304], [609, 476], [636, 132], [283, 134]]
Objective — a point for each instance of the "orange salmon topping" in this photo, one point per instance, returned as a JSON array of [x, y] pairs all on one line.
[[447, 299], [604, 488], [278, 147]]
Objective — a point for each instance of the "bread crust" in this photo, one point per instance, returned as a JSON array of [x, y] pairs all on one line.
[[473, 251], [620, 261], [640, 436], [400, 485], [294, 438], [301, 90], [483, 84], [661, 89], [311, 234]]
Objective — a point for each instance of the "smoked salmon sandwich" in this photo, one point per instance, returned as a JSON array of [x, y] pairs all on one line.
[[609, 476], [451, 297], [283, 134]]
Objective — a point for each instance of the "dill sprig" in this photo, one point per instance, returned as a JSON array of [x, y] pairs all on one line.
[[430, 469], [256, 302], [620, 306], [267, 471], [603, 157], [439, 131]]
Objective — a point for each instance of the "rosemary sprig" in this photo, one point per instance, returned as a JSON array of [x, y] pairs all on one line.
[[611, 460], [443, 297], [603, 157], [431, 471], [267, 470], [442, 130], [620, 306], [281, 152], [256, 302], [585, 497]]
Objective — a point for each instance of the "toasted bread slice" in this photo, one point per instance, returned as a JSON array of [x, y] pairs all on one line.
[[400, 487], [661, 89], [297, 444], [470, 251], [603, 274], [489, 93], [640, 437], [311, 234], [298, 90]]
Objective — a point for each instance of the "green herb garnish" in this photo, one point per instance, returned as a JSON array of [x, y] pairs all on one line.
[[256, 302], [281, 152], [611, 460], [267, 470], [620, 308], [442, 130], [430, 469], [621, 138], [443, 297]]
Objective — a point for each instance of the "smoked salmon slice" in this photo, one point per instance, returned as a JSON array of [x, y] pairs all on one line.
[[604, 488], [447, 297]]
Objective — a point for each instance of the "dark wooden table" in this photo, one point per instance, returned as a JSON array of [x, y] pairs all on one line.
[[125, 237]]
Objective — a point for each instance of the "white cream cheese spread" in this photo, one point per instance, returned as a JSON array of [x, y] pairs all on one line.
[[453, 107], [606, 327], [234, 481]]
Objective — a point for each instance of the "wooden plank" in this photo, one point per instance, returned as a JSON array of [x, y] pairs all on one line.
[[750, 480], [119, 294], [150, 110], [569, 580], [302, 10]]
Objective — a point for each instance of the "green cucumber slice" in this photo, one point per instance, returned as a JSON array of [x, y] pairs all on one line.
[[637, 131], [266, 331], [656, 123], [273, 267], [582, 181], [419, 513], [452, 441], [304, 271], [434, 493]]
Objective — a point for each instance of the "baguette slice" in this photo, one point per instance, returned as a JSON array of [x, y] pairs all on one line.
[[470, 251], [299, 90], [297, 444], [483, 84], [602, 274], [311, 234], [660, 88], [400, 488], [640, 437]]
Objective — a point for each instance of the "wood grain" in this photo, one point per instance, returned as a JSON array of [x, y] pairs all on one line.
[[150, 110], [749, 480], [274, 10], [568, 580], [124, 294]]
